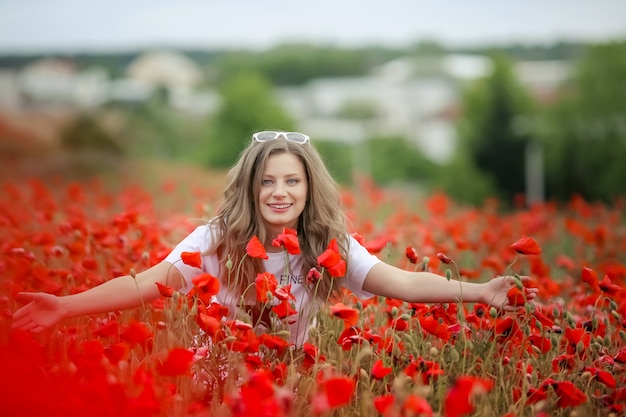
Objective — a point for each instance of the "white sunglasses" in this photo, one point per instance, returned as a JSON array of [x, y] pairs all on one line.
[[268, 135]]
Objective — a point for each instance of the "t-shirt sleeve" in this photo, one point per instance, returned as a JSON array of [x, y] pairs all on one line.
[[197, 241], [360, 261]]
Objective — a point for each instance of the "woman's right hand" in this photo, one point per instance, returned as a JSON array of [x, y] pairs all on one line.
[[42, 311]]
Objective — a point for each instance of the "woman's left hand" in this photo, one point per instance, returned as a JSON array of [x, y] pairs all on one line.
[[496, 292]]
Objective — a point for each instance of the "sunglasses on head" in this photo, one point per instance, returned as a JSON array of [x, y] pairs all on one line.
[[268, 135]]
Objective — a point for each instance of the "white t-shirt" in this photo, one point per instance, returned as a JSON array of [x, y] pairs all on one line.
[[358, 265]]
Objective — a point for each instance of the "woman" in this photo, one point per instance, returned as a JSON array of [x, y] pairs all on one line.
[[279, 184]]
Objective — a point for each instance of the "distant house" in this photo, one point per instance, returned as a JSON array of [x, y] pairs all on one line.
[[10, 97], [416, 98], [178, 75], [171, 70], [52, 81], [48, 80]]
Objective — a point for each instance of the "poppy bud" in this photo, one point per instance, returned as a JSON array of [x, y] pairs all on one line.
[[132, 273], [229, 264], [448, 274], [425, 260], [444, 258], [493, 313], [554, 341], [411, 254]]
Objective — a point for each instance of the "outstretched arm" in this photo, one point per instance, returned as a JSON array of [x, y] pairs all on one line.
[[44, 310], [427, 287]]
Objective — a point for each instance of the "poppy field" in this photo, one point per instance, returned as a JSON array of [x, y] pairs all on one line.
[[564, 354]]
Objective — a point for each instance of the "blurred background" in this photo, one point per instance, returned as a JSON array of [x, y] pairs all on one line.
[[525, 101]]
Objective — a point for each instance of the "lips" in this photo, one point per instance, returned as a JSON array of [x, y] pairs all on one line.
[[279, 206]]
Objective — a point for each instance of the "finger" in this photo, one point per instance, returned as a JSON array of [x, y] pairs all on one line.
[[21, 323], [20, 317], [28, 326], [28, 296]]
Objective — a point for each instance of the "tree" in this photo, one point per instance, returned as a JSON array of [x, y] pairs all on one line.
[[585, 134], [248, 106], [491, 132]]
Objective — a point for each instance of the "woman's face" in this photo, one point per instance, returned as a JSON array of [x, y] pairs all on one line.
[[283, 194]]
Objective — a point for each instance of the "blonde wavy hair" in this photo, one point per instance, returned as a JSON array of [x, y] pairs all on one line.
[[239, 218]]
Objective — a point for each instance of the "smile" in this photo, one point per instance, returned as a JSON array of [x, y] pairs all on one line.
[[279, 206]]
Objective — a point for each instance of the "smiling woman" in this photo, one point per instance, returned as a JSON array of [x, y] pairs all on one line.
[[281, 230]]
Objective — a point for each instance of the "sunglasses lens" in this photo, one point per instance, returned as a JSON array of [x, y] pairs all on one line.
[[297, 137], [265, 136]]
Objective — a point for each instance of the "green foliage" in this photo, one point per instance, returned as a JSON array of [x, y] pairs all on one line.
[[338, 159], [86, 133], [295, 64], [248, 106], [584, 136], [491, 131], [462, 181], [358, 110], [156, 130], [395, 159]]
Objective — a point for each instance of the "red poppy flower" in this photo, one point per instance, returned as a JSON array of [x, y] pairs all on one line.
[[620, 356], [459, 400], [284, 309], [417, 405], [136, 332], [411, 254], [274, 342], [434, 327], [568, 394], [207, 286], [379, 371], [208, 323], [607, 286], [177, 362], [383, 402], [313, 275], [601, 376], [255, 249], [265, 282], [540, 342], [164, 290], [332, 393], [526, 246], [288, 239], [516, 297], [349, 315], [576, 336], [192, 259], [284, 293], [444, 258], [116, 352], [535, 395], [332, 261], [590, 277]]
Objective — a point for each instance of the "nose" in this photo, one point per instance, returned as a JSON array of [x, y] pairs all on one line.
[[279, 190]]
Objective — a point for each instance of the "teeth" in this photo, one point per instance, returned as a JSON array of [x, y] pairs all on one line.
[[280, 206]]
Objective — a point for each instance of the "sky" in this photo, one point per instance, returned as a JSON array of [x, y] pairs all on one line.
[[113, 25]]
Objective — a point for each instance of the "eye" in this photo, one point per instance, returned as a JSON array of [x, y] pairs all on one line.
[[293, 181], [266, 182]]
